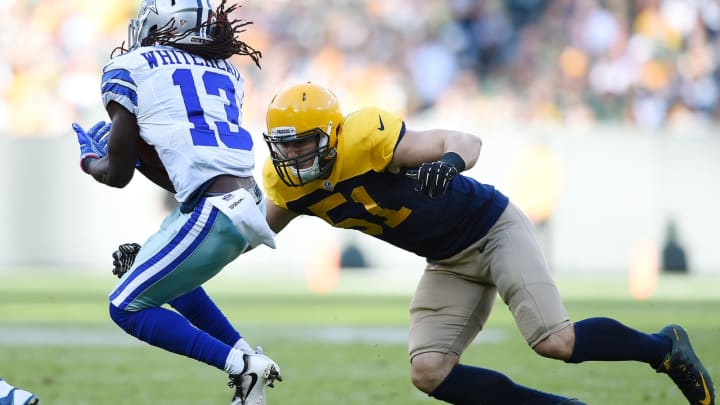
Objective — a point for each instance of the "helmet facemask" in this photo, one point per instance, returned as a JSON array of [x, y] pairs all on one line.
[[305, 120], [292, 170]]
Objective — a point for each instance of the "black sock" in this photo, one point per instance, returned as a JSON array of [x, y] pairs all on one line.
[[609, 340], [466, 385]]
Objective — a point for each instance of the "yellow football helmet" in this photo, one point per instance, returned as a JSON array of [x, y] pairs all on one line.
[[298, 114]]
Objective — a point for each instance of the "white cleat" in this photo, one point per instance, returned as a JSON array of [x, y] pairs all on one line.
[[10, 395], [259, 372]]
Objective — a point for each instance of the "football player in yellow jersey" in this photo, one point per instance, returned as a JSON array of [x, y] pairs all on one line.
[[367, 171]]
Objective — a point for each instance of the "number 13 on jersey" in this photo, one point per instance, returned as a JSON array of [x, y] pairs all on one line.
[[214, 84]]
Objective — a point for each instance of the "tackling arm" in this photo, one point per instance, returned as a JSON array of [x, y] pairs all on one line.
[[277, 217], [417, 147], [439, 156]]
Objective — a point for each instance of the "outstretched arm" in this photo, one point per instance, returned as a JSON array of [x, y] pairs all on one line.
[[277, 217], [439, 156], [417, 147]]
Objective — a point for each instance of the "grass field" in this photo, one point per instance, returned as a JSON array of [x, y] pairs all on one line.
[[347, 347]]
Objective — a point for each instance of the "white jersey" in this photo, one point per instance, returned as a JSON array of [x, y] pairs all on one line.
[[188, 108]]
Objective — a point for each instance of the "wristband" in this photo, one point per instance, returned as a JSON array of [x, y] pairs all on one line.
[[454, 159], [86, 157]]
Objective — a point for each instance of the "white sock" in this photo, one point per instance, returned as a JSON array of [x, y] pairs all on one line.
[[243, 346], [234, 363]]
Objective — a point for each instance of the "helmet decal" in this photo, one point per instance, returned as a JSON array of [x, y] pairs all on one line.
[[148, 6], [189, 18]]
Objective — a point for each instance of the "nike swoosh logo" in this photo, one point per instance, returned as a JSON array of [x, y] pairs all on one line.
[[253, 382], [707, 399], [382, 126]]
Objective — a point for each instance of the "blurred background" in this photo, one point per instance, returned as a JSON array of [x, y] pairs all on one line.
[[599, 118]]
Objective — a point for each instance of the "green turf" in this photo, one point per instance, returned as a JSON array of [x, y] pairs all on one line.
[[56, 340]]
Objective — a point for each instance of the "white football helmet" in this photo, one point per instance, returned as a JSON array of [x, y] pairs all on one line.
[[190, 18]]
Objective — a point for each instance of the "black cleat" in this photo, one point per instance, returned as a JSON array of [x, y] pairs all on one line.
[[685, 369]]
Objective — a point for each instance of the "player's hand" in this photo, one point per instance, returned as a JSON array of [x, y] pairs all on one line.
[[100, 133], [433, 178], [89, 147], [124, 257]]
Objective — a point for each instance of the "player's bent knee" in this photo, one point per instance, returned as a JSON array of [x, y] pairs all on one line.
[[119, 316], [428, 370], [559, 345]]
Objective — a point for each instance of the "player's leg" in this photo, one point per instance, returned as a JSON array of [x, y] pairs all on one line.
[[520, 272], [525, 284], [11, 395], [450, 306], [668, 351], [446, 314], [198, 308], [187, 251]]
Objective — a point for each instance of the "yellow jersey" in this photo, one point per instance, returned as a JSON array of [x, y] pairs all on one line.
[[360, 194]]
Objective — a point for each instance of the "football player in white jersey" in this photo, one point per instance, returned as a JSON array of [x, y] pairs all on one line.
[[174, 92]]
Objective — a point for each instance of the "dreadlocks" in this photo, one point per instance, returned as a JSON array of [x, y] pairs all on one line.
[[223, 44]]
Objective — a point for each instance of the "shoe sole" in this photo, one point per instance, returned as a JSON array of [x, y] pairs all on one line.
[[273, 375]]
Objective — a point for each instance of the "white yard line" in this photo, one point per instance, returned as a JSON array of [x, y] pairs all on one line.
[[80, 336]]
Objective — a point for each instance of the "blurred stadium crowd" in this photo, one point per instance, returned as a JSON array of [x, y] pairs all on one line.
[[647, 63]]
